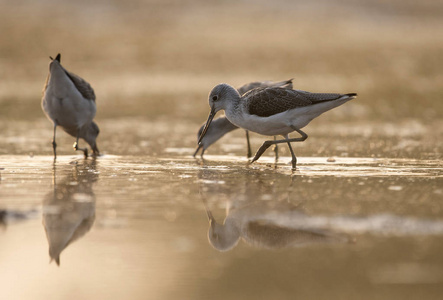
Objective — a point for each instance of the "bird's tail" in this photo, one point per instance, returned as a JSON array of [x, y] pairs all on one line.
[[352, 95]]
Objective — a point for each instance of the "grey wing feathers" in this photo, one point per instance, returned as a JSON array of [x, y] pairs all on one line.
[[262, 84], [82, 86], [283, 84], [249, 86], [318, 97], [265, 102]]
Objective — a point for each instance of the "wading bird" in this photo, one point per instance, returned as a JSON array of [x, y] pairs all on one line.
[[221, 126], [69, 102], [272, 111]]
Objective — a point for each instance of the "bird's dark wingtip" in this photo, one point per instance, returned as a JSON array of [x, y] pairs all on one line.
[[352, 94], [57, 58]]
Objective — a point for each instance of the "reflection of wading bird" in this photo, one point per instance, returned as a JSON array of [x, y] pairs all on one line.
[[268, 226], [7, 216], [276, 225], [69, 101], [272, 111], [221, 126], [69, 211]]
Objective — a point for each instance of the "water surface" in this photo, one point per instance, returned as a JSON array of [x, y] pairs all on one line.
[[139, 225]]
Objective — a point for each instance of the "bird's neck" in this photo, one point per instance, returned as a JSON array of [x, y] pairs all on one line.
[[233, 108], [233, 102]]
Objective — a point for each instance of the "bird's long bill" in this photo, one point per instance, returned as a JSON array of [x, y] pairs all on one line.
[[210, 218], [196, 150], [208, 122], [209, 214]]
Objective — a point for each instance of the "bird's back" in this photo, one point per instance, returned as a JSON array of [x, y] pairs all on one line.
[[265, 102], [68, 100]]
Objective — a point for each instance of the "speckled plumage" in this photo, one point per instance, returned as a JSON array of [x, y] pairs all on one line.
[[265, 102]]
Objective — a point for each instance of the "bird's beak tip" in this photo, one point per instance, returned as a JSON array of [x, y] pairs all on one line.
[[208, 122]]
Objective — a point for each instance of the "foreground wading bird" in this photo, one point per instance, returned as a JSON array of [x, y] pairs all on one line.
[[69, 102], [272, 111], [221, 126]]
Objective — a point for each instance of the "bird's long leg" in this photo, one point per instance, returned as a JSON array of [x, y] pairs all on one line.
[[294, 159], [276, 149], [85, 150], [54, 144], [249, 154], [268, 144]]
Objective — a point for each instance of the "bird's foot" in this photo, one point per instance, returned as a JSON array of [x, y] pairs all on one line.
[[294, 164], [85, 150], [249, 153]]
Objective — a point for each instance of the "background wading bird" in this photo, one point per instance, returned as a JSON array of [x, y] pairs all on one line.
[[221, 126], [69, 102]]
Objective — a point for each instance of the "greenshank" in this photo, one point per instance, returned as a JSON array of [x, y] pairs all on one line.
[[221, 126], [272, 111], [69, 102]]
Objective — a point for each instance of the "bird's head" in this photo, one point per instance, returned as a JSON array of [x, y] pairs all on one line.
[[223, 237], [219, 98], [90, 135]]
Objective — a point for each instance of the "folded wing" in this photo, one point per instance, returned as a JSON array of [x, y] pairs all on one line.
[[265, 102], [82, 86]]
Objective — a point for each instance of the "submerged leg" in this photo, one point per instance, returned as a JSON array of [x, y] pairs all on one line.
[[54, 145], [249, 154], [268, 144], [276, 149], [76, 148]]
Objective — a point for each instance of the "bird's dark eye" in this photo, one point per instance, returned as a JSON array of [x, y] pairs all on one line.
[[214, 98]]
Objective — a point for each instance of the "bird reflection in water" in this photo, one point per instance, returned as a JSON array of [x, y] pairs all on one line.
[[269, 224], [69, 211], [12, 216], [263, 226]]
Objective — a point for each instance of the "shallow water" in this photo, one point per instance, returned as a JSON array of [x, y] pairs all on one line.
[[131, 226]]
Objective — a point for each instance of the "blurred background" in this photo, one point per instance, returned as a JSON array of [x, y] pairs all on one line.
[[153, 63]]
